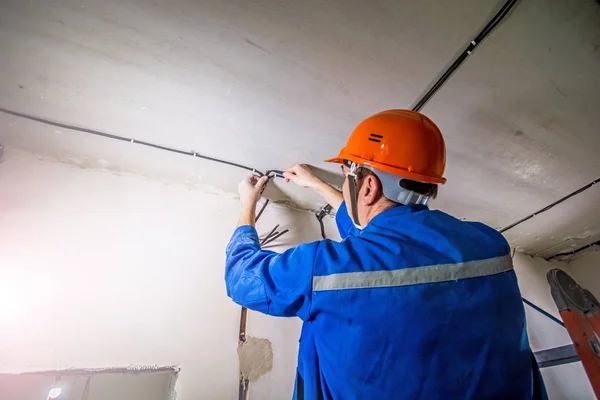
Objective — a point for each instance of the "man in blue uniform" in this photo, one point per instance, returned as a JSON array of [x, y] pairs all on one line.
[[413, 303]]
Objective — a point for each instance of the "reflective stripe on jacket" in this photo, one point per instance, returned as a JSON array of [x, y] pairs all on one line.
[[417, 305]]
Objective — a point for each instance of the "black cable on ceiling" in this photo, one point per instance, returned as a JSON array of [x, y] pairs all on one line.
[[272, 173], [570, 253], [486, 30], [489, 27], [548, 207], [130, 140], [498, 17]]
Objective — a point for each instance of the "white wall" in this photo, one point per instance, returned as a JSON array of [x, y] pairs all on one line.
[[101, 270], [101, 386], [562, 382], [586, 269]]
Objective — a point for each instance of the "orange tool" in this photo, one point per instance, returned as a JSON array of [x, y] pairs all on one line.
[[580, 311]]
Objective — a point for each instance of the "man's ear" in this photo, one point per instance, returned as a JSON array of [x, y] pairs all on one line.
[[372, 190]]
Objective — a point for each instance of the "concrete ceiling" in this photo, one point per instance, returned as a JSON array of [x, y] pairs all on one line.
[[271, 83]]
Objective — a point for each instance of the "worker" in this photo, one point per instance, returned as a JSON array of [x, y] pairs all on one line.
[[412, 303]]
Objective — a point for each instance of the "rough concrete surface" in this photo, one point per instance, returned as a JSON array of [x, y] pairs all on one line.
[[100, 270], [256, 358], [269, 84], [89, 385]]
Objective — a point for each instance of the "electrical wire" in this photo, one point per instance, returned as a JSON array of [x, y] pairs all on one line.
[[548, 207], [544, 312], [570, 253], [86, 390], [272, 173], [244, 389], [125, 139], [504, 10], [496, 19], [273, 232], [262, 209], [489, 27], [320, 215], [276, 236]]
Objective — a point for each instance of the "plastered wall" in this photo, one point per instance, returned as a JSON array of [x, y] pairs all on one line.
[[100, 386], [586, 267], [100, 270]]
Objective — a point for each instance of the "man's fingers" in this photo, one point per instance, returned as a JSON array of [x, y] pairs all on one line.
[[294, 169], [289, 176], [262, 182]]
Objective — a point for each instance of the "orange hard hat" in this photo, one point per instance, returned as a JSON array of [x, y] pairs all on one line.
[[401, 142]]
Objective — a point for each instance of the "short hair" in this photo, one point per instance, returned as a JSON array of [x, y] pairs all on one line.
[[422, 188]]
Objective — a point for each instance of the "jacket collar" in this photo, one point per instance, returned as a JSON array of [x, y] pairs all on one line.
[[382, 219]]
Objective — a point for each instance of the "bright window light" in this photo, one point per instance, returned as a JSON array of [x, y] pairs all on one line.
[[54, 393]]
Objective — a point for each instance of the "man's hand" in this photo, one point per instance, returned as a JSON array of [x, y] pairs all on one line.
[[302, 175], [250, 190]]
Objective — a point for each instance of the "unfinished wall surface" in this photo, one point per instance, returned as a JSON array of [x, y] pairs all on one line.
[[586, 270], [99, 386], [268, 84], [101, 270]]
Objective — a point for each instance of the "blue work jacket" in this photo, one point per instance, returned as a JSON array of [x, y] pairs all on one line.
[[417, 305]]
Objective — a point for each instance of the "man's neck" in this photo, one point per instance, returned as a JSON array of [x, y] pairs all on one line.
[[378, 208]]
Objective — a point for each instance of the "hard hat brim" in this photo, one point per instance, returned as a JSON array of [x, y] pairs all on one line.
[[386, 168], [336, 160]]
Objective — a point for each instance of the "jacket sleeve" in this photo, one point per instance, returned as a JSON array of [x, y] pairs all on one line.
[[344, 222], [269, 282]]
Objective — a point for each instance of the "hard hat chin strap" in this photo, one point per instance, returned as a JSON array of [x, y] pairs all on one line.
[[353, 193]]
